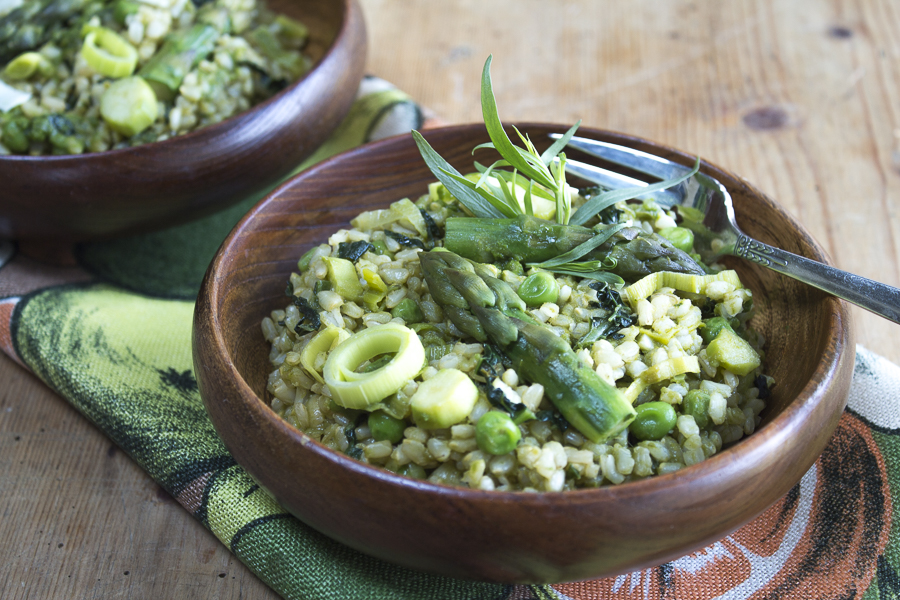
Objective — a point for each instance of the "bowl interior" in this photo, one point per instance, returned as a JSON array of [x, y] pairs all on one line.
[[305, 212], [809, 353]]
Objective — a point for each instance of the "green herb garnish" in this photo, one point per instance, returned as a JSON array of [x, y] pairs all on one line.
[[500, 199]]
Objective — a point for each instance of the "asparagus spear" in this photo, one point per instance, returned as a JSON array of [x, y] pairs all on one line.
[[529, 239], [33, 24], [524, 238], [180, 53], [489, 310]]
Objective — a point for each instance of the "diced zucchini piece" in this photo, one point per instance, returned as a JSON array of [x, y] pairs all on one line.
[[733, 352], [711, 328], [681, 238], [444, 400], [402, 211], [129, 106], [408, 215], [343, 277]]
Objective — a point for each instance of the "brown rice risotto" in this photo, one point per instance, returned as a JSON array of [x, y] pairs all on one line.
[[92, 75], [699, 411], [507, 331]]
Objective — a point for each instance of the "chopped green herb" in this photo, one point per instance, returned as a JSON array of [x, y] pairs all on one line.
[[353, 251], [309, 318], [554, 418], [434, 232], [409, 242], [492, 364], [762, 384], [516, 410]]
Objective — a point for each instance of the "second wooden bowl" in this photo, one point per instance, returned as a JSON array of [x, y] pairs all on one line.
[[147, 187], [507, 536]]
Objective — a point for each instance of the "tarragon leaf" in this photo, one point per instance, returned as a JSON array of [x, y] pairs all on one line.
[[557, 146], [529, 206], [563, 201], [588, 270], [489, 193], [452, 180], [580, 250], [502, 143]]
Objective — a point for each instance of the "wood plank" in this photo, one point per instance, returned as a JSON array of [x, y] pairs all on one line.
[[81, 519], [802, 98]]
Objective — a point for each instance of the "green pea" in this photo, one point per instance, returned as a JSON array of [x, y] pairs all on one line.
[[696, 404], [378, 363], [653, 421], [412, 470], [303, 263], [385, 427], [66, 144], [14, 136], [538, 288], [681, 238], [712, 327], [380, 247], [513, 265], [409, 311], [122, 9], [496, 433]]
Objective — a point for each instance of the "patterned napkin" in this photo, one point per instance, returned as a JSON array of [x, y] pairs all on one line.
[[108, 327]]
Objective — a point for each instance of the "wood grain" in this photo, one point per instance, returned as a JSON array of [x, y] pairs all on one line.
[[802, 98]]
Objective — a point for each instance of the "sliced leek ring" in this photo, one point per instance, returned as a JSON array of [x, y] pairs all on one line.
[[683, 282], [25, 65], [108, 53], [324, 341], [358, 390], [664, 370]]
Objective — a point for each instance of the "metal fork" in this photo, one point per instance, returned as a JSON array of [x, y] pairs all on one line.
[[710, 197]]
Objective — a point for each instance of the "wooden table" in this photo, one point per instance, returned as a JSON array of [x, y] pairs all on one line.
[[801, 97]]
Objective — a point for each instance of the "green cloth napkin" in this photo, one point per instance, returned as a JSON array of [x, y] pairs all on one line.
[[112, 336]]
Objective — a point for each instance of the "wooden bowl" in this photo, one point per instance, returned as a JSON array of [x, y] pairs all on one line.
[[125, 191], [506, 536]]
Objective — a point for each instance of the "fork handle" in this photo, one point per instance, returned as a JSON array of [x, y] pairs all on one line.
[[873, 296]]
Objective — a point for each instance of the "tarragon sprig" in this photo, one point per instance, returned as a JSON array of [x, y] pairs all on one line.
[[544, 173], [569, 263], [498, 193]]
